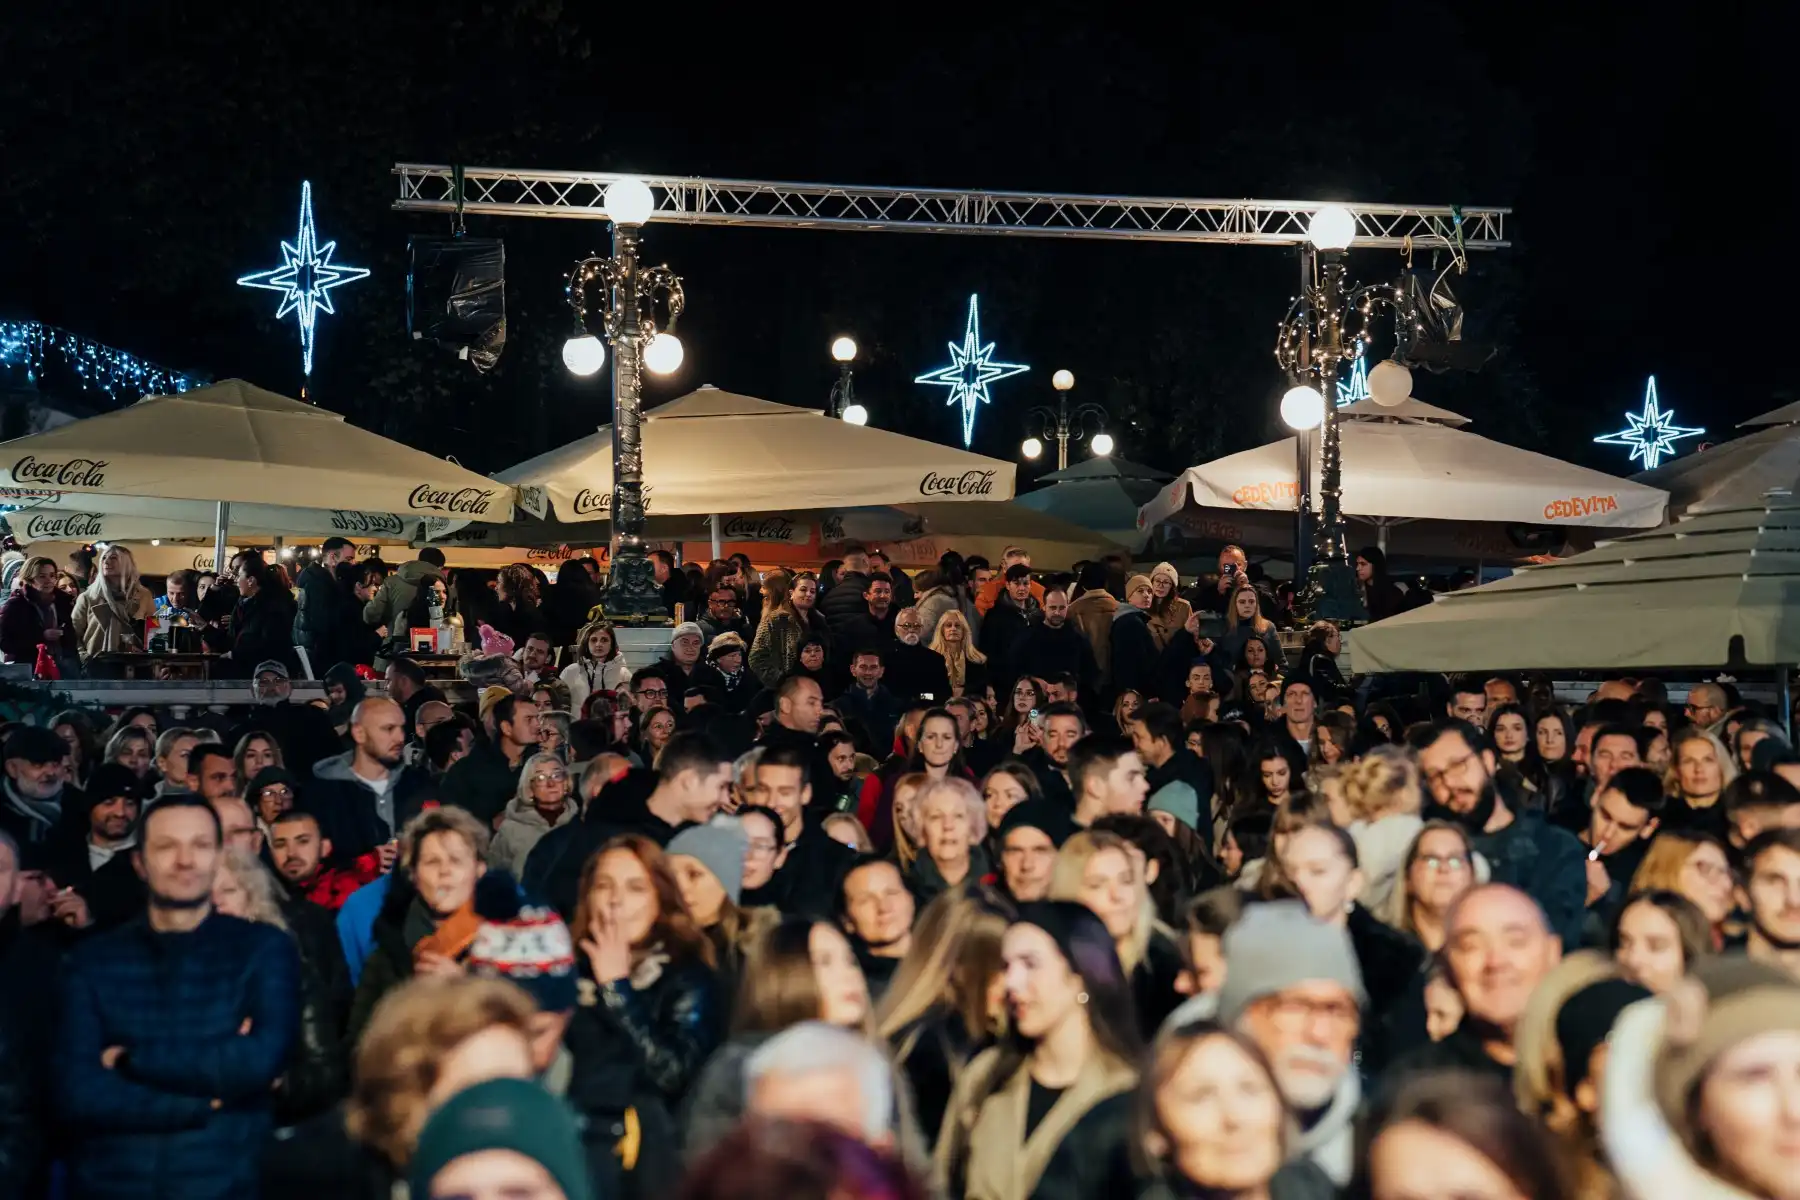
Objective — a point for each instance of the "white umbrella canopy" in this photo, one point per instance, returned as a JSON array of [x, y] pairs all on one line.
[[103, 517], [235, 442], [713, 451], [1717, 589], [1419, 471], [1733, 474]]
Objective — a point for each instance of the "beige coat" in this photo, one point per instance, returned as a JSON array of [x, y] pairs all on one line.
[[103, 626], [1092, 613], [1171, 623], [998, 1162]]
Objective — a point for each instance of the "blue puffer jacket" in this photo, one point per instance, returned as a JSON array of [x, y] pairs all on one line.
[[186, 1112]]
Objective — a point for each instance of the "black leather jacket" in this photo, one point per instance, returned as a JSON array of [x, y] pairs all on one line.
[[637, 1043]]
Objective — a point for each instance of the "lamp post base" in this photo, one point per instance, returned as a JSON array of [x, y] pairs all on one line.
[[631, 596], [1331, 593]]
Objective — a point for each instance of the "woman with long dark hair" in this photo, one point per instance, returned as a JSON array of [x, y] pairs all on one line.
[[1047, 1111], [789, 616], [1454, 1133], [598, 665], [262, 625]]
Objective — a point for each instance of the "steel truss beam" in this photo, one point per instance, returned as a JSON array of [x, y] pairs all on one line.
[[685, 200]]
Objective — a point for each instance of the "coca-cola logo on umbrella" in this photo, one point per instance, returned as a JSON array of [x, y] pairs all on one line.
[[759, 529], [969, 483], [74, 473], [63, 527], [366, 523], [588, 502], [451, 500]]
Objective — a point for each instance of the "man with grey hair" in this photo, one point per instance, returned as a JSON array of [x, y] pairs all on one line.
[[744, 788], [1293, 986], [913, 670], [818, 1072]]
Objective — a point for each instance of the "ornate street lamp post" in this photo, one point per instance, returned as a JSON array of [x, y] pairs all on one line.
[[628, 291], [842, 402], [1064, 424]]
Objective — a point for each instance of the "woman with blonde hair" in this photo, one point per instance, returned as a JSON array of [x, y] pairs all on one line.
[[1382, 797], [1245, 623], [943, 1005], [954, 642], [1700, 769], [111, 611], [1169, 613], [426, 1041], [951, 820], [1694, 865], [1106, 873]]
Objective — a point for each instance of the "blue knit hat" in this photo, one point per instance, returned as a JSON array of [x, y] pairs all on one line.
[[503, 1114]]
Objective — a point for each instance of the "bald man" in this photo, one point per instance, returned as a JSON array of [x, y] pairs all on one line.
[[364, 796], [1498, 948]]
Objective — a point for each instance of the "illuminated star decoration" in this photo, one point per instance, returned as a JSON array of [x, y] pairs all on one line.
[[972, 368], [306, 277], [1652, 435], [1357, 386]]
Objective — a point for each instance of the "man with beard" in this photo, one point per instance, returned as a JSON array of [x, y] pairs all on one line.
[[100, 868], [1498, 947], [876, 912], [31, 806], [485, 781], [1522, 849], [1772, 894], [174, 1030], [1051, 647], [365, 795], [299, 851], [1292, 985], [1045, 749], [913, 669], [212, 774]]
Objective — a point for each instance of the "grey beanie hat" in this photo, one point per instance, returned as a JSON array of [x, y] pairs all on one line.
[[720, 845], [1278, 944], [1179, 800]]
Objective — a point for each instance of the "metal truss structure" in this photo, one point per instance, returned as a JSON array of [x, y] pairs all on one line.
[[686, 200]]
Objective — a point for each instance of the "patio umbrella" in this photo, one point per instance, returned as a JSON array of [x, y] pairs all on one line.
[[1416, 470], [1103, 493], [1717, 589], [1736, 473], [235, 442], [713, 451]]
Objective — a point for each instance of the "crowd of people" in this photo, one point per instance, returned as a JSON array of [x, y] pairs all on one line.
[[982, 883]]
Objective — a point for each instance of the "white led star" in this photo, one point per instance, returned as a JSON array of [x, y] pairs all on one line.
[[1652, 435], [971, 369], [306, 277]]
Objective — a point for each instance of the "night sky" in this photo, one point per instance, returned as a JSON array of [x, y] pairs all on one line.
[[152, 158]]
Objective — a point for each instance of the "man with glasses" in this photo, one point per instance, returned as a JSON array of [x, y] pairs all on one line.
[[1522, 849], [1293, 986], [1706, 705], [913, 670], [724, 612]]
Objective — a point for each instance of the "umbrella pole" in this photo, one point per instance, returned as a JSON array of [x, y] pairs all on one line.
[[718, 544], [221, 530]]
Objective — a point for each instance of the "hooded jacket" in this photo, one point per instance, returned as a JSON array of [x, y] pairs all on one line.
[[353, 816], [1092, 613], [1330, 1142], [522, 826], [390, 604]]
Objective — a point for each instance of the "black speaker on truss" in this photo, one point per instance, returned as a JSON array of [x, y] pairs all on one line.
[[456, 296]]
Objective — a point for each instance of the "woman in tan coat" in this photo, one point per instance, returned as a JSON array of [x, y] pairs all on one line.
[[1047, 1112], [1169, 613], [111, 611]]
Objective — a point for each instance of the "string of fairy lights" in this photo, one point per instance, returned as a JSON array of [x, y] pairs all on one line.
[[38, 349]]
